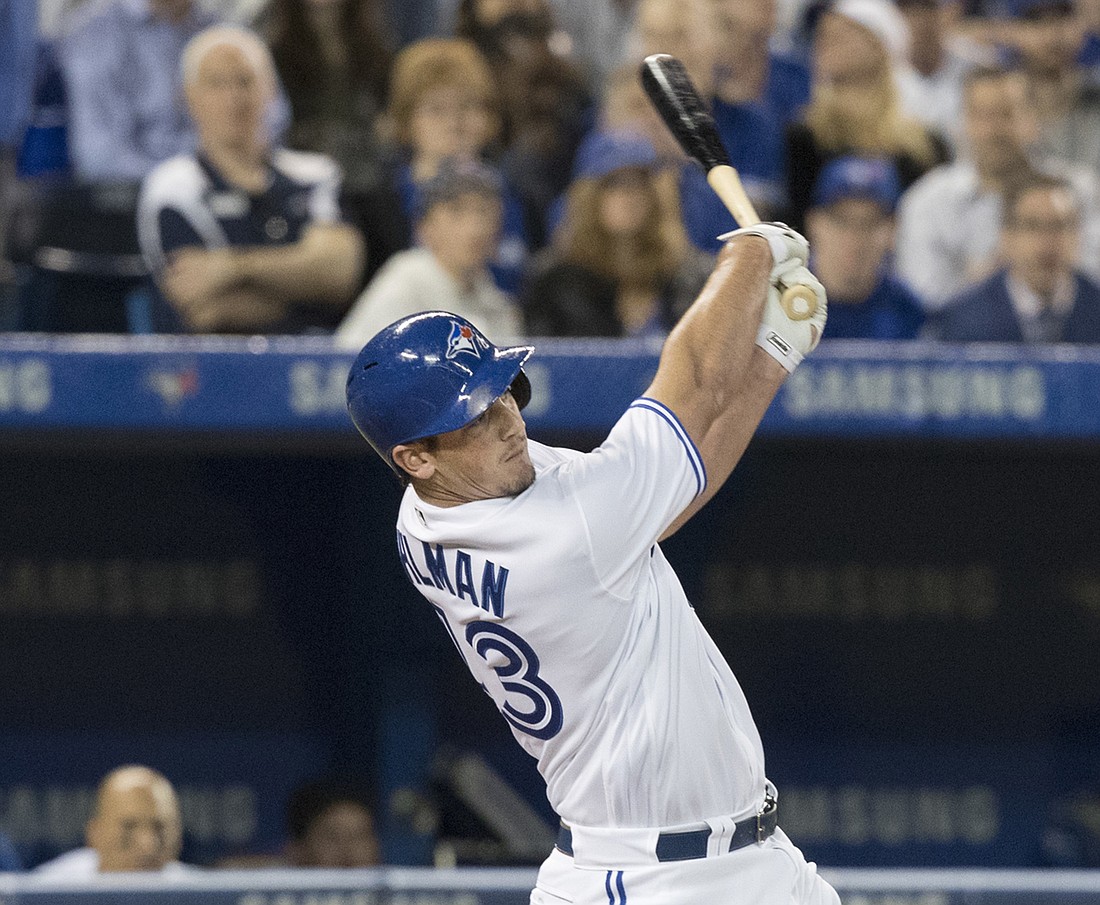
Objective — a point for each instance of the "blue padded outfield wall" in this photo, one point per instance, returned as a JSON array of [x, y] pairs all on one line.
[[197, 572]]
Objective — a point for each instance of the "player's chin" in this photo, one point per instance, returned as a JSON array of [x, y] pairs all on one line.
[[521, 475]]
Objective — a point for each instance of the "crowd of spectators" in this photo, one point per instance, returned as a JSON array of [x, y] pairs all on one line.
[[326, 166], [136, 826]]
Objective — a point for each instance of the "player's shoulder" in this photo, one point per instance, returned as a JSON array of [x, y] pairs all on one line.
[[305, 167], [177, 179]]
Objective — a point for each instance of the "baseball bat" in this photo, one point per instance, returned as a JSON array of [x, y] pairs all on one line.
[[672, 93]]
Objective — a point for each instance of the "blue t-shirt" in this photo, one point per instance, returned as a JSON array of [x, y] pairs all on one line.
[[510, 263], [891, 311]]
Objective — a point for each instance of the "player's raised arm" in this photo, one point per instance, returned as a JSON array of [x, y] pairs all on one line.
[[723, 363]]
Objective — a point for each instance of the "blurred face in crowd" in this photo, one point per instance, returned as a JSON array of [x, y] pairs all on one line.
[[1050, 38], [850, 239], [626, 201], [341, 836], [449, 120], [136, 825], [999, 124], [463, 233], [1040, 236], [681, 28], [929, 21], [742, 29], [848, 65], [227, 97]]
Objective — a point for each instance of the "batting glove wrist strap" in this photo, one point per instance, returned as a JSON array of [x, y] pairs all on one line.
[[788, 247], [787, 341]]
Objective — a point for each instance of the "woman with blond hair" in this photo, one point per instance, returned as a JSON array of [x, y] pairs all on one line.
[[444, 104], [854, 105], [621, 264]]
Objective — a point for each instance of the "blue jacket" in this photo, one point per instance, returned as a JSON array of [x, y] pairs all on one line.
[[984, 313], [891, 311]]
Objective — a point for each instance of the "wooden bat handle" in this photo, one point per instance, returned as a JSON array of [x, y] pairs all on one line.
[[798, 302]]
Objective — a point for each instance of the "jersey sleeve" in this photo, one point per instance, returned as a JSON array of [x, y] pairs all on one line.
[[632, 487]]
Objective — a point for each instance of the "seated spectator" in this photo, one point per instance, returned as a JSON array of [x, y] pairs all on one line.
[[135, 827], [854, 106], [684, 28], [9, 857], [241, 238], [331, 824], [545, 101], [598, 33], [17, 70], [1049, 40], [851, 231], [747, 69], [949, 222], [1039, 296], [121, 63], [622, 265], [333, 60], [458, 226], [443, 104], [931, 85]]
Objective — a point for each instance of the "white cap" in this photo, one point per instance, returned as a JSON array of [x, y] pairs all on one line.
[[882, 19]]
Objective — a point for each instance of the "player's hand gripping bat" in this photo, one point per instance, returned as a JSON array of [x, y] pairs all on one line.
[[671, 91]]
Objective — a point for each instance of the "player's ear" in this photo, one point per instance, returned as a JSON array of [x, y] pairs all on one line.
[[415, 460]]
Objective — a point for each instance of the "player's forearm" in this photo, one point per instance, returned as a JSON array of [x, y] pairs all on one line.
[[709, 350], [322, 267]]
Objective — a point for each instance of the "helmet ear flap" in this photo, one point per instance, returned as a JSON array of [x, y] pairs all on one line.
[[521, 390]]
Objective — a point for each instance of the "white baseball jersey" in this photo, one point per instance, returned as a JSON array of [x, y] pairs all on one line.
[[567, 613]]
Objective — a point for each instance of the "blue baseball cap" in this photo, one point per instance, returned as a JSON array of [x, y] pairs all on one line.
[[605, 152], [873, 178]]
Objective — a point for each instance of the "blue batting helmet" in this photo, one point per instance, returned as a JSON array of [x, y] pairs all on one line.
[[428, 374]]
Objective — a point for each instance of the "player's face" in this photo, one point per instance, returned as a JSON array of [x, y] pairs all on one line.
[[484, 460]]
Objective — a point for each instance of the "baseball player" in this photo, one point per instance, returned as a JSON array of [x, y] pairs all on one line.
[[544, 567]]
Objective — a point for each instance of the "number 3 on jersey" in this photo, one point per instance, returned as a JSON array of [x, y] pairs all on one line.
[[519, 675]]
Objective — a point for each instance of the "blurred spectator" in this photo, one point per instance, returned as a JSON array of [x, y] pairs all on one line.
[[685, 29], [1039, 296], [622, 265], [545, 101], [931, 85], [135, 827], [598, 32], [9, 857], [333, 59], [851, 231], [17, 70], [747, 70], [458, 226], [330, 823], [444, 104], [854, 106], [1049, 42], [948, 223], [120, 59], [241, 238]]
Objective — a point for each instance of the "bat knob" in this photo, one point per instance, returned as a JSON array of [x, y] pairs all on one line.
[[799, 302]]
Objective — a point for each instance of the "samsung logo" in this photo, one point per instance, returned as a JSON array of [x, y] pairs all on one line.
[[918, 391]]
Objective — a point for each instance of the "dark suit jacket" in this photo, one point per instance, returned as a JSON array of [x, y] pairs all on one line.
[[984, 313]]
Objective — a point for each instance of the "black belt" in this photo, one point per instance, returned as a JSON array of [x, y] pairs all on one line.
[[690, 844]]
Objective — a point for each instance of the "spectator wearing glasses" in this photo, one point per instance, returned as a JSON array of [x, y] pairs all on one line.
[[1039, 296]]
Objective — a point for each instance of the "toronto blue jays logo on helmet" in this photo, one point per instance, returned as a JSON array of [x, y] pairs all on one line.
[[463, 338]]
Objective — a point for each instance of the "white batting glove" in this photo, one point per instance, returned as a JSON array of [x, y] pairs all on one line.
[[787, 245], [787, 341]]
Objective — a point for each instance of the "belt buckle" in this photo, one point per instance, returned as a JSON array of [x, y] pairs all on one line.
[[771, 799]]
